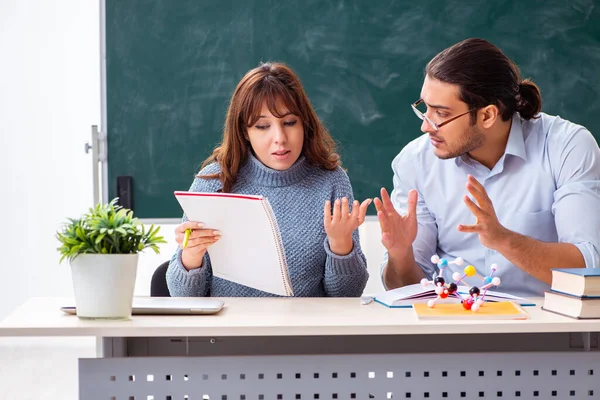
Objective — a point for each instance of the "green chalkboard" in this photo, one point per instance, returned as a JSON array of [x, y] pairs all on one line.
[[171, 67]]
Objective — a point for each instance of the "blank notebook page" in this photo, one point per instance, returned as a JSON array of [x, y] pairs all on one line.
[[250, 251]]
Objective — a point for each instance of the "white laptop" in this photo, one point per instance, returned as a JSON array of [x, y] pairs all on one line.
[[169, 306]]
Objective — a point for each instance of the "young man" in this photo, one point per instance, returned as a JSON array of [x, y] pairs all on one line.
[[493, 180]]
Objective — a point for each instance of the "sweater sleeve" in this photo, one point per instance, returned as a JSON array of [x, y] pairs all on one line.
[[345, 276], [196, 282], [184, 283]]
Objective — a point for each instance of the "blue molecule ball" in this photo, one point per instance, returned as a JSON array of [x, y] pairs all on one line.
[[443, 263], [487, 280]]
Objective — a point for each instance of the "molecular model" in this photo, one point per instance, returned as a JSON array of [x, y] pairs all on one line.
[[443, 290]]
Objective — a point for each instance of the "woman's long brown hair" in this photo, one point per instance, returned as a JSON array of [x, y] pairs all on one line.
[[276, 84]]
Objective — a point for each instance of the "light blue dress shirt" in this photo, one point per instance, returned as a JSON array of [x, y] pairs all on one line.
[[545, 186]]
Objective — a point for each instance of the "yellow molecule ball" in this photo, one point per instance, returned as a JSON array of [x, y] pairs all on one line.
[[470, 270]]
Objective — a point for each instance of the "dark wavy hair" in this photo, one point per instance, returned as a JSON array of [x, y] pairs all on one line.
[[486, 76]]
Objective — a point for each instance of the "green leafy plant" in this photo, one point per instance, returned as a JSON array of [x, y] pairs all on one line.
[[106, 229]]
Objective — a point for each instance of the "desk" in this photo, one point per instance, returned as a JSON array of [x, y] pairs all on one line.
[[332, 348]]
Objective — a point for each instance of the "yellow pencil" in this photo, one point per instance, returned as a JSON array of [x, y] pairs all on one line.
[[188, 232]]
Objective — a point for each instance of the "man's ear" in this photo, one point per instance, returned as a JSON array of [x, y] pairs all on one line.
[[488, 115]]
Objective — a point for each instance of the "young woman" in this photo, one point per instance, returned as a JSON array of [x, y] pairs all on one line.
[[274, 145]]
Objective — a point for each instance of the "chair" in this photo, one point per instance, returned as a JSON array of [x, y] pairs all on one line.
[[158, 284]]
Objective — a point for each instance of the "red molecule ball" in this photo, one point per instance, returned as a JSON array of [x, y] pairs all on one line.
[[467, 303], [444, 293]]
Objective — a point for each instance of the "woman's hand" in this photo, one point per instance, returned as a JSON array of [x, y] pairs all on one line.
[[199, 240], [340, 226]]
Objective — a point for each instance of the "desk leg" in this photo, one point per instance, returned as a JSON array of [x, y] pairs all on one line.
[[98, 346], [109, 347], [586, 341]]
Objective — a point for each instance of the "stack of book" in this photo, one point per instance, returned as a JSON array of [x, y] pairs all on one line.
[[575, 292]]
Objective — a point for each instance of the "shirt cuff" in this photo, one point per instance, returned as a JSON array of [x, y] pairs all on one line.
[[590, 255], [381, 268]]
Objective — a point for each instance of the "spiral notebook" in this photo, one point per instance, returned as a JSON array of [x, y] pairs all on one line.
[[250, 251]]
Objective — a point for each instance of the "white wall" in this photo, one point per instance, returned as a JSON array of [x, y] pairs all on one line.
[[49, 98]]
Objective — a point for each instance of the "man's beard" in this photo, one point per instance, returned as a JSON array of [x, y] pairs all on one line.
[[471, 140]]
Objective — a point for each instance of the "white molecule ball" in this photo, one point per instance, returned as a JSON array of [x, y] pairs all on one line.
[[479, 301], [475, 307], [435, 259], [456, 276], [439, 290], [494, 267], [459, 261], [496, 281], [431, 303], [424, 282]]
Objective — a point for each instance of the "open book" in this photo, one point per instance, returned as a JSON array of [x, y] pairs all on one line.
[[406, 296], [250, 251]]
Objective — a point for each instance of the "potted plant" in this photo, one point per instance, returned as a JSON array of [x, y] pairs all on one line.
[[102, 247]]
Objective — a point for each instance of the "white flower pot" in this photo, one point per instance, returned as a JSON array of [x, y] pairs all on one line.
[[103, 285]]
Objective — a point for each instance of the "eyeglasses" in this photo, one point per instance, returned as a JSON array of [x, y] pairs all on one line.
[[435, 126]]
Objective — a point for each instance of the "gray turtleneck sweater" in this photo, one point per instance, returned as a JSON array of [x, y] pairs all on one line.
[[297, 196]]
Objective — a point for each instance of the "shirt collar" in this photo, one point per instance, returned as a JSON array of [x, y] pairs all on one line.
[[516, 142], [514, 146]]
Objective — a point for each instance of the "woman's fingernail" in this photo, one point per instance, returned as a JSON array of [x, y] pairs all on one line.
[[217, 233], [200, 224]]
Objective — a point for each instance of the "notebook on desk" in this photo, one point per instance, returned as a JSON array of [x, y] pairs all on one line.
[[250, 251], [168, 306]]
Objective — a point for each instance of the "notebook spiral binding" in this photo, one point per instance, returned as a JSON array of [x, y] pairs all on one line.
[[280, 250]]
